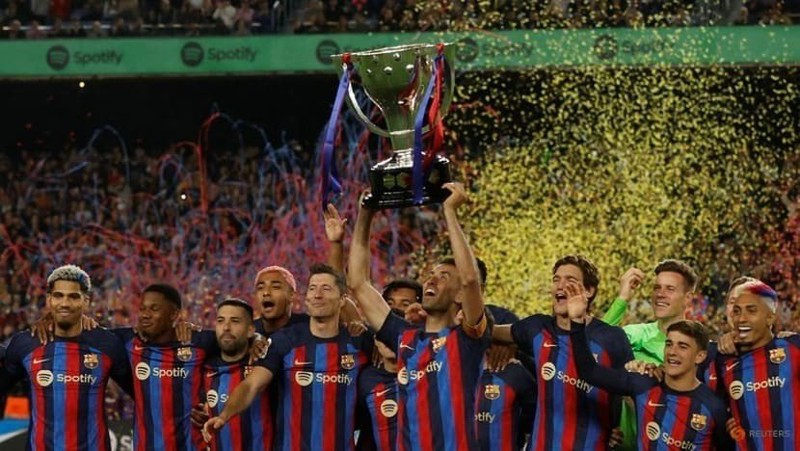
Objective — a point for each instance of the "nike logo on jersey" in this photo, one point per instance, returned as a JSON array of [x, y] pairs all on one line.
[[731, 366], [38, 361], [383, 392], [405, 346], [653, 404], [299, 363], [212, 374], [547, 344]]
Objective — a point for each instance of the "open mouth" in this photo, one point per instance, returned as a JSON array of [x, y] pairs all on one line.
[[673, 362], [267, 304], [561, 297], [430, 292], [744, 330], [662, 305]]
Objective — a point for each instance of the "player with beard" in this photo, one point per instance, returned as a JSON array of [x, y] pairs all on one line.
[[439, 364], [762, 382], [672, 293], [317, 365], [253, 429], [167, 373], [570, 413], [68, 375]]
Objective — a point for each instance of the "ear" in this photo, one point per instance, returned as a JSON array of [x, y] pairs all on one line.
[[771, 319], [251, 330], [176, 313], [591, 291], [700, 357]]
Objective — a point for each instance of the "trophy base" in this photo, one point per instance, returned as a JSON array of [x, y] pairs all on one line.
[[392, 187]]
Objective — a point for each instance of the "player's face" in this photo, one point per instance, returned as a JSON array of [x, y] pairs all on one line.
[[681, 354], [273, 295], [441, 288], [67, 303], [670, 295], [234, 328], [752, 320], [565, 275], [323, 298], [156, 315], [401, 298]]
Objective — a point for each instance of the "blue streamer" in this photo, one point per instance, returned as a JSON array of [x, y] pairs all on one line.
[[417, 172], [330, 175]]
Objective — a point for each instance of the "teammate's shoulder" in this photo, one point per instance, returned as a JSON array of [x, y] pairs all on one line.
[[124, 333], [710, 398], [537, 319], [22, 339], [599, 330], [789, 340]]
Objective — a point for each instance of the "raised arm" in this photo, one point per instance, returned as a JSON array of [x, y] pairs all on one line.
[[369, 299], [614, 380], [628, 283], [334, 231], [462, 254]]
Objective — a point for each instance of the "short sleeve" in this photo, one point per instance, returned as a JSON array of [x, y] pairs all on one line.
[[524, 330], [278, 345], [392, 328]]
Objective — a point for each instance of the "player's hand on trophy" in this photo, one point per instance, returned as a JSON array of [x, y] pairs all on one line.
[[334, 224], [458, 195], [629, 283]]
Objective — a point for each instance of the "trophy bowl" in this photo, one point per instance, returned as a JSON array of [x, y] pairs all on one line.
[[395, 80]]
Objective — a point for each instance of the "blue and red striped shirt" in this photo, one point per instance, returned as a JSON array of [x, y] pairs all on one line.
[[252, 429], [437, 376], [570, 412], [667, 419], [762, 387], [318, 387], [377, 398], [167, 381], [499, 401], [68, 379]]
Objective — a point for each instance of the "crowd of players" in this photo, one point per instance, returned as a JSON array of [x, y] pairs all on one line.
[[416, 366]]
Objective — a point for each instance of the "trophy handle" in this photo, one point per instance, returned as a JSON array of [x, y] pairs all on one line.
[[448, 90], [353, 104]]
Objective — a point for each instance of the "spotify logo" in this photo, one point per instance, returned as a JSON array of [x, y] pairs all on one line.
[[192, 54], [304, 378], [44, 378], [57, 57], [142, 371], [736, 389], [212, 398], [653, 430], [548, 371], [389, 408]]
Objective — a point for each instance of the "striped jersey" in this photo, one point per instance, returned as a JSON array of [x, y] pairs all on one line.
[[570, 412], [762, 387], [317, 380], [667, 419], [252, 429], [437, 375], [377, 400], [67, 379], [167, 382], [499, 401]]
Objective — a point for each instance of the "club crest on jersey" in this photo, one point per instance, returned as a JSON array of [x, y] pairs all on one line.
[[491, 392], [91, 361], [347, 361], [184, 354], [698, 422], [438, 343], [777, 355]]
